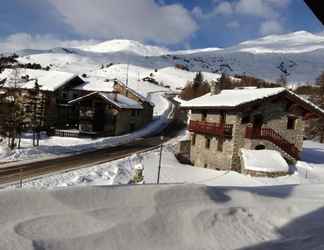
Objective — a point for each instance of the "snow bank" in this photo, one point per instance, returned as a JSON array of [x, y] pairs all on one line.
[[180, 217], [269, 161]]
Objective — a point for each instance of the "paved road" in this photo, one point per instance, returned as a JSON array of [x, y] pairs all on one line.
[[18, 171]]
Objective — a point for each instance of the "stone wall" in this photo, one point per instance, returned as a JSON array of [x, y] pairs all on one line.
[[275, 117], [212, 158]]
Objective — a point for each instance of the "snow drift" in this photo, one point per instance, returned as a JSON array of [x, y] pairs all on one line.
[[163, 217]]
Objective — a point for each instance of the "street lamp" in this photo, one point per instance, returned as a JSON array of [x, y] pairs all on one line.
[[160, 160]]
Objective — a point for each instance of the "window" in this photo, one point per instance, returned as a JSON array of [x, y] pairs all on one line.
[[65, 96], [193, 140], [246, 119], [205, 165], [207, 145], [220, 144], [222, 117], [133, 112], [291, 123], [132, 127], [204, 116]]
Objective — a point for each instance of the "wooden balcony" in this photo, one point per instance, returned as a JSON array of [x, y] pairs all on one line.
[[269, 134], [209, 128]]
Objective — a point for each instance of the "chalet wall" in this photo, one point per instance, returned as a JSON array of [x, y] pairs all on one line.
[[147, 115], [275, 117], [212, 158], [128, 121]]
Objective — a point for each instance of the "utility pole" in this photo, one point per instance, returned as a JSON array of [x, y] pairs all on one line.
[[160, 160]]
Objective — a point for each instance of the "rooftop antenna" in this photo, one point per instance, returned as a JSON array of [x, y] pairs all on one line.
[[127, 74], [127, 70]]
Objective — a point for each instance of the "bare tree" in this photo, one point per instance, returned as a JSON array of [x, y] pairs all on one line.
[[321, 104], [14, 119], [316, 127]]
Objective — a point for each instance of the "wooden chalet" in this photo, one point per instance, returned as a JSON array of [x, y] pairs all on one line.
[[108, 114]]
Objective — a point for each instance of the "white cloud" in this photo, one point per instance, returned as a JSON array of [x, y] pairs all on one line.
[[259, 8], [268, 13], [224, 8], [255, 7], [21, 41], [197, 12], [233, 25], [270, 27], [142, 20]]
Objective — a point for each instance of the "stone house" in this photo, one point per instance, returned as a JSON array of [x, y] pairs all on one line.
[[108, 114], [222, 123]]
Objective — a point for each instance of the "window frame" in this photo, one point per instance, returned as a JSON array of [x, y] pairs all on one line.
[[291, 123], [204, 116], [207, 142], [220, 144], [193, 140]]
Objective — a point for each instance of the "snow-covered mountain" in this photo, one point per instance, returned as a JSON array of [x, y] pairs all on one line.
[[126, 46], [297, 42], [298, 55]]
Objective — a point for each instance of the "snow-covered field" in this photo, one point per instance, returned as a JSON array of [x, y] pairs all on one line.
[[194, 208], [179, 217]]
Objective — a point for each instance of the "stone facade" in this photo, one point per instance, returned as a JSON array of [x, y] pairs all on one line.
[[206, 151]]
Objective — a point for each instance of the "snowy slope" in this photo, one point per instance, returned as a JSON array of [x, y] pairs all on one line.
[[297, 42], [125, 46], [299, 56]]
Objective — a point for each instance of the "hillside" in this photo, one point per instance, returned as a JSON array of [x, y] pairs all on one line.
[[299, 56]]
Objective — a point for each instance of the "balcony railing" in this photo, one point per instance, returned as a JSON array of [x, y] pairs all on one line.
[[209, 128], [269, 134]]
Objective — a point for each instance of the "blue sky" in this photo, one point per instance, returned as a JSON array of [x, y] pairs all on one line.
[[171, 23]]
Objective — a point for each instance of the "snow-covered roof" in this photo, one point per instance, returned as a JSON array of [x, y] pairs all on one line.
[[48, 80], [136, 93], [264, 161], [236, 97], [307, 102], [96, 84], [116, 99], [232, 98]]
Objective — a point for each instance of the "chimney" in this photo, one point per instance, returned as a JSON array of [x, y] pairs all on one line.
[[214, 88]]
